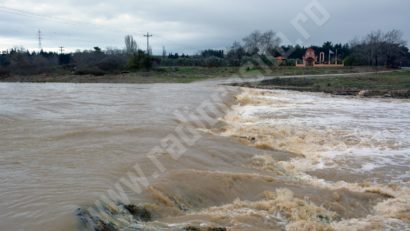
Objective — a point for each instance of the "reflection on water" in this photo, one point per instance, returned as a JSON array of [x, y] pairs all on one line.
[[63, 145]]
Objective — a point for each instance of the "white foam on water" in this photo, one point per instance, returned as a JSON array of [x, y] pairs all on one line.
[[356, 134], [370, 137]]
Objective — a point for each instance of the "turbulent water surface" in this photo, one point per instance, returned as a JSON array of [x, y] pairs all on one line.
[[275, 160]]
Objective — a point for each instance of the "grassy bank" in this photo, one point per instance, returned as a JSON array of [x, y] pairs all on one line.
[[177, 74], [393, 84]]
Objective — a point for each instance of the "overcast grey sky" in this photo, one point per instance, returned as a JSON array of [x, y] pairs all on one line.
[[188, 25]]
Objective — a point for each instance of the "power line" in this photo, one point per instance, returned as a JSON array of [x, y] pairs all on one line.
[[61, 49], [58, 19], [39, 16], [76, 23]]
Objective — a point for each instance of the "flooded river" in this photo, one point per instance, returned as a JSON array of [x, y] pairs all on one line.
[[275, 160]]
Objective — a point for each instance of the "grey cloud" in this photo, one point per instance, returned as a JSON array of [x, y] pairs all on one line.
[[187, 26]]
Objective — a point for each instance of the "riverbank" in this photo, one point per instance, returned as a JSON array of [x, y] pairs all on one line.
[[385, 84], [177, 74]]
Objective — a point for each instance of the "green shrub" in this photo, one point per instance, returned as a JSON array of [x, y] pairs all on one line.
[[140, 60]]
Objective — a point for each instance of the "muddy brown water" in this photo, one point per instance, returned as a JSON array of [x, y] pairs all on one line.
[[62, 146]]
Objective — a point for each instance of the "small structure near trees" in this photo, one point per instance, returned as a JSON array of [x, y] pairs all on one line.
[[310, 59]]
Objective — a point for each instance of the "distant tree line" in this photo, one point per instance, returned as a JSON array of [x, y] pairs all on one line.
[[380, 49], [375, 49], [19, 61]]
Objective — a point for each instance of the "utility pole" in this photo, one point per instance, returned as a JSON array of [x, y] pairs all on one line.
[[336, 58], [330, 61], [148, 36], [40, 46], [164, 52], [61, 50]]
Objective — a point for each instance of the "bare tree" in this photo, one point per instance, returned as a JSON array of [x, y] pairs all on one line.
[[393, 44], [258, 42], [131, 46], [373, 48], [252, 42], [269, 41], [379, 48]]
